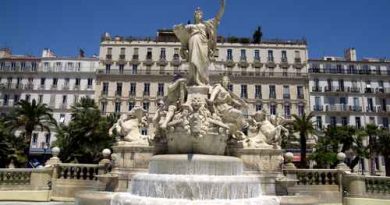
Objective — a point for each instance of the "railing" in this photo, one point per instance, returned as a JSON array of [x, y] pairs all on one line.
[[79, 171], [15, 176], [311, 177], [25, 179], [366, 186], [213, 72], [377, 185], [346, 71]]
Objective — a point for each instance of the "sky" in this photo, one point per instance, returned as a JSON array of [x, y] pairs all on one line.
[[65, 26]]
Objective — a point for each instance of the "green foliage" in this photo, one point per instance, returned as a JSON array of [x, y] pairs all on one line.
[[86, 135], [11, 148], [29, 117], [382, 147], [304, 126]]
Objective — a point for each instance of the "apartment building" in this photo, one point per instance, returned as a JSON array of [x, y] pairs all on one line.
[[271, 75], [56, 81]]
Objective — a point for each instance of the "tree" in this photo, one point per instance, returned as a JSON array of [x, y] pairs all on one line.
[[29, 117], [382, 147], [372, 132], [304, 125], [86, 135], [257, 35]]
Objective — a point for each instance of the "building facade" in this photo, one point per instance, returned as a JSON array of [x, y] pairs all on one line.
[[56, 81], [271, 75], [347, 91]]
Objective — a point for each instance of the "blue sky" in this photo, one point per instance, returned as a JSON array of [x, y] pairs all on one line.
[[330, 26]]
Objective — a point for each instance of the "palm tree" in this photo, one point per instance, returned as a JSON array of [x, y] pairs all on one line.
[[305, 126], [86, 135], [382, 147], [29, 117]]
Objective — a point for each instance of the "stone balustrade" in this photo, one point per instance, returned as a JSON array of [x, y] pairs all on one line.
[[315, 176], [366, 186], [79, 171]]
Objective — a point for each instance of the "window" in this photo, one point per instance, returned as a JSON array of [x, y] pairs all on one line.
[[134, 70], [64, 99], [105, 88], [229, 54], [259, 107], [109, 51], [16, 99], [147, 89], [358, 122], [162, 54], [149, 54], [117, 107], [287, 111], [103, 106], [135, 55], [301, 110], [131, 105], [243, 55], [43, 80], [333, 121], [160, 91], [144, 131], [75, 99], [118, 89], [62, 118], [132, 89], [90, 80], [40, 99], [319, 122], [121, 68], [77, 83], [108, 68], [35, 138], [272, 109], [28, 97], [284, 56], [344, 121], [300, 92], [258, 91], [270, 56], [47, 138], [5, 100], [385, 122], [244, 93], [286, 92], [257, 55], [341, 84], [145, 106], [123, 51], [272, 92]]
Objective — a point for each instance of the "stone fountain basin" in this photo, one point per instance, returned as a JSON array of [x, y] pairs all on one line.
[[196, 187], [104, 198]]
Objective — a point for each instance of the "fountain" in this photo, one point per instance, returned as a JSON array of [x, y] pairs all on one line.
[[200, 155]]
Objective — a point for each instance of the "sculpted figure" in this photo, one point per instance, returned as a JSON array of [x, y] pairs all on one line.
[[273, 133], [225, 103], [198, 44], [129, 126], [175, 98]]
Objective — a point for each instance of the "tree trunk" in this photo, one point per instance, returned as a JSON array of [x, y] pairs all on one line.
[[372, 155], [387, 165], [303, 150]]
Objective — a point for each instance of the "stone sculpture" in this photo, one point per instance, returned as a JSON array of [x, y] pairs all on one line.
[[267, 133], [128, 126], [199, 42]]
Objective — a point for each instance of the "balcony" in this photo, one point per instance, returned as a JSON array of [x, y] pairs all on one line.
[[336, 108], [108, 57], [371, 109], [162, 62], [54, 87], [368, 90], [230, 63], [76, 87], [286, 96], [284, 63], [118, 93], [272, 96], [354, 89], [104, 93], [257, 63], [301, 96], [298, 63], [176, 61], [63, 106], [355, 108], [122, 60], [316, 89], [122, 57], [135, 60], [146, 93], [318, 108], [148, 62], [270, 63], [243, 63], [65, 87]]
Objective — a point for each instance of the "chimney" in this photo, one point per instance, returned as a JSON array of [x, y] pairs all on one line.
[[350, 54], [5, 52]]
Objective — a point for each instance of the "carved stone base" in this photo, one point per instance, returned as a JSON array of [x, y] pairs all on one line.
[[130, 160], [260, 160]]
